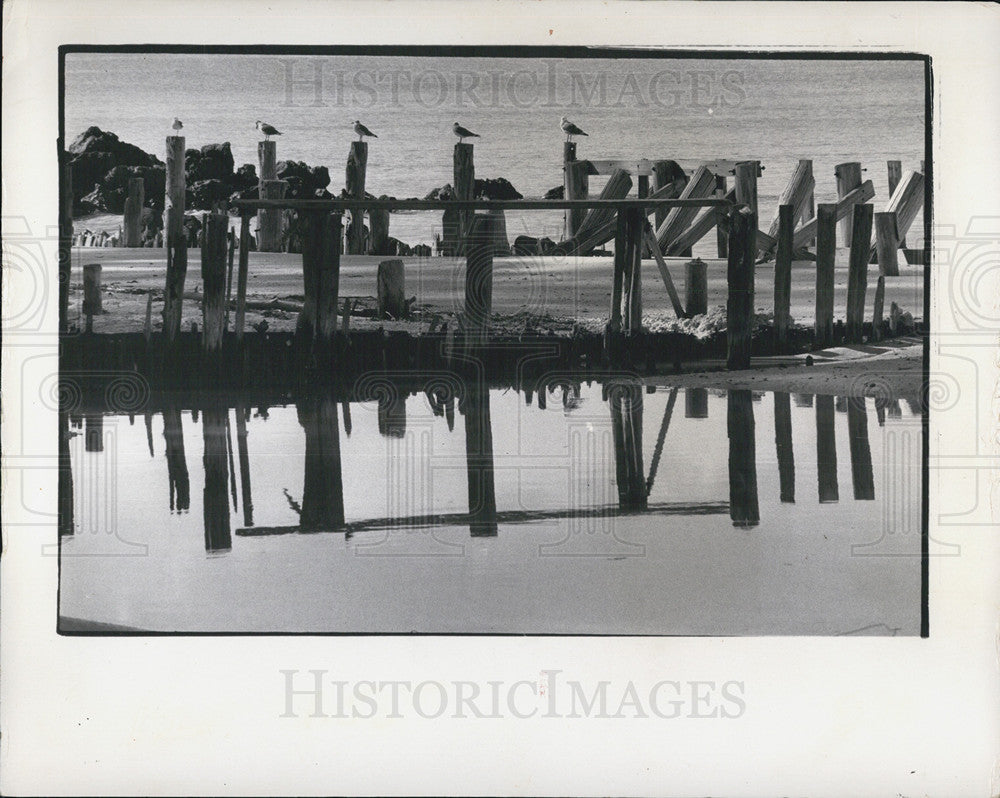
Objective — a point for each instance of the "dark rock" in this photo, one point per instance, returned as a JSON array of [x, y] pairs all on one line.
[[192, 227], [112, 191], [245, 177], [320, 176], [95, 152], [555, 193], [498, 188], [422, 250], [445, 192], [211, 162], [152, 224], [204, 194]]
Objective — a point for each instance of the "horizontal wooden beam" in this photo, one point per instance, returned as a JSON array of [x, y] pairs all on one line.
[[645, 166], [335, 205]]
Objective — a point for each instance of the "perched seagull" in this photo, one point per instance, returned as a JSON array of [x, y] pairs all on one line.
[[267, 130], [362, 131], [570, 129], [463, 133], [177, 124]]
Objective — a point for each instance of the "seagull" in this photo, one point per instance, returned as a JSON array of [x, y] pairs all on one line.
[[463, 133], [362, 131], [267, 130], [570, 129], [177, 124]]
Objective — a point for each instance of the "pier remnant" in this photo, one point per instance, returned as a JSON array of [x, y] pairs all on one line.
[[878, 309], [797, 193], [721, 233], [826, 449], [392, 290], [635, 223], [132, 222], [213, 278], [826, 253], [357, 168], [700, 186], [744, 506], [661, 265], [91, 293], [174, 238], [887, 243], [378, 243], [739, 275], [269, 220], [906, 202], [848, 179], [783, 276], [696, 286], [576, 185], [241, 277], [317, 321], [895, 174], [857, 274], [465, 189]]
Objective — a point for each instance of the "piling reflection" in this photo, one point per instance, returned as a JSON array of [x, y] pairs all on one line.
[[625, 402], [744, 510], [177, 471], [783, 445], [65, 498], [826, 450], [216, 496], [696, 403], [392, 414], [93, 432], [861, 454], [323, 490], [475, 406], [242, 414]]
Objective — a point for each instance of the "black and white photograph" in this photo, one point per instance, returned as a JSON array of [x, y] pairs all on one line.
[[378, 374]]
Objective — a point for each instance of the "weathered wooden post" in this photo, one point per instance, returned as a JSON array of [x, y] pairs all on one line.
[[576, 185], [241, 277], [65, 235], [479, 279], [826, 449], [783, 276], [357, 167], [695, 287], [177, 470], [783, 445], [809, 210], [796, 193], [740, 274], [700, 186], [323, 487], [465, 189], [620, 268], [906, 203], [216, 461], [848, 178], [175, 239], [392, 290], [213, 278], [746, 185], [633, 285], [826, 254], [378, 219], [665, 173], [857, 275], [91, 293], [230, 257], [721, 233], [269, 220], [861, 454], [878, 309], [317, 320], [744, 507], [696, 403], [887, 243], [132, 223]]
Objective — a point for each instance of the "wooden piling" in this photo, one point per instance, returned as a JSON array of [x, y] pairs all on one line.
[[826, 448], [267, 159], [783, 446], [617, 187], [721, 233], [744, 508], [857, 275], [878, 309], [317, 321], [91, 293], [746, 185], [906, 202], [618, 274], [695, 403], [826, 253], [887, 244], [213, 278], [797, 193], [783, 276], [177, 470], [65, 234], [848, 179], [357, 168], [174, 238], [806, 232], [391, 288], [479, 279], [650, 245], [215, 501], [270, 220], [664, 173], [132, 223], [378, 219], [700, 186], [695, 287], [231, 245], [241, 278], [635, 222], [465, 189], [740, 274], [895, 173], [862, 478], [576, 186], [479, 460]]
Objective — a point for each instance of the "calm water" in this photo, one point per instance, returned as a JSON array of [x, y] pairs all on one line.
[[775, 111], [575, 509]]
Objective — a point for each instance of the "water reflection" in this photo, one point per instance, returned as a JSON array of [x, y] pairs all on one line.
[[216, 461], [743, 506]]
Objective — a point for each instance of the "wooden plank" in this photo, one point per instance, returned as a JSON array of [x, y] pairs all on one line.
[[797, 193], [887, 243], [826, 251], [721, 234], [618, 275], [705, 221], [906, 202], [636, 228], [807, 232], [857, 275], [575, 186], [617, 187], [661, 264], [645, 166], [660, 197], [582, 245], [701, 185], [878, 309]]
